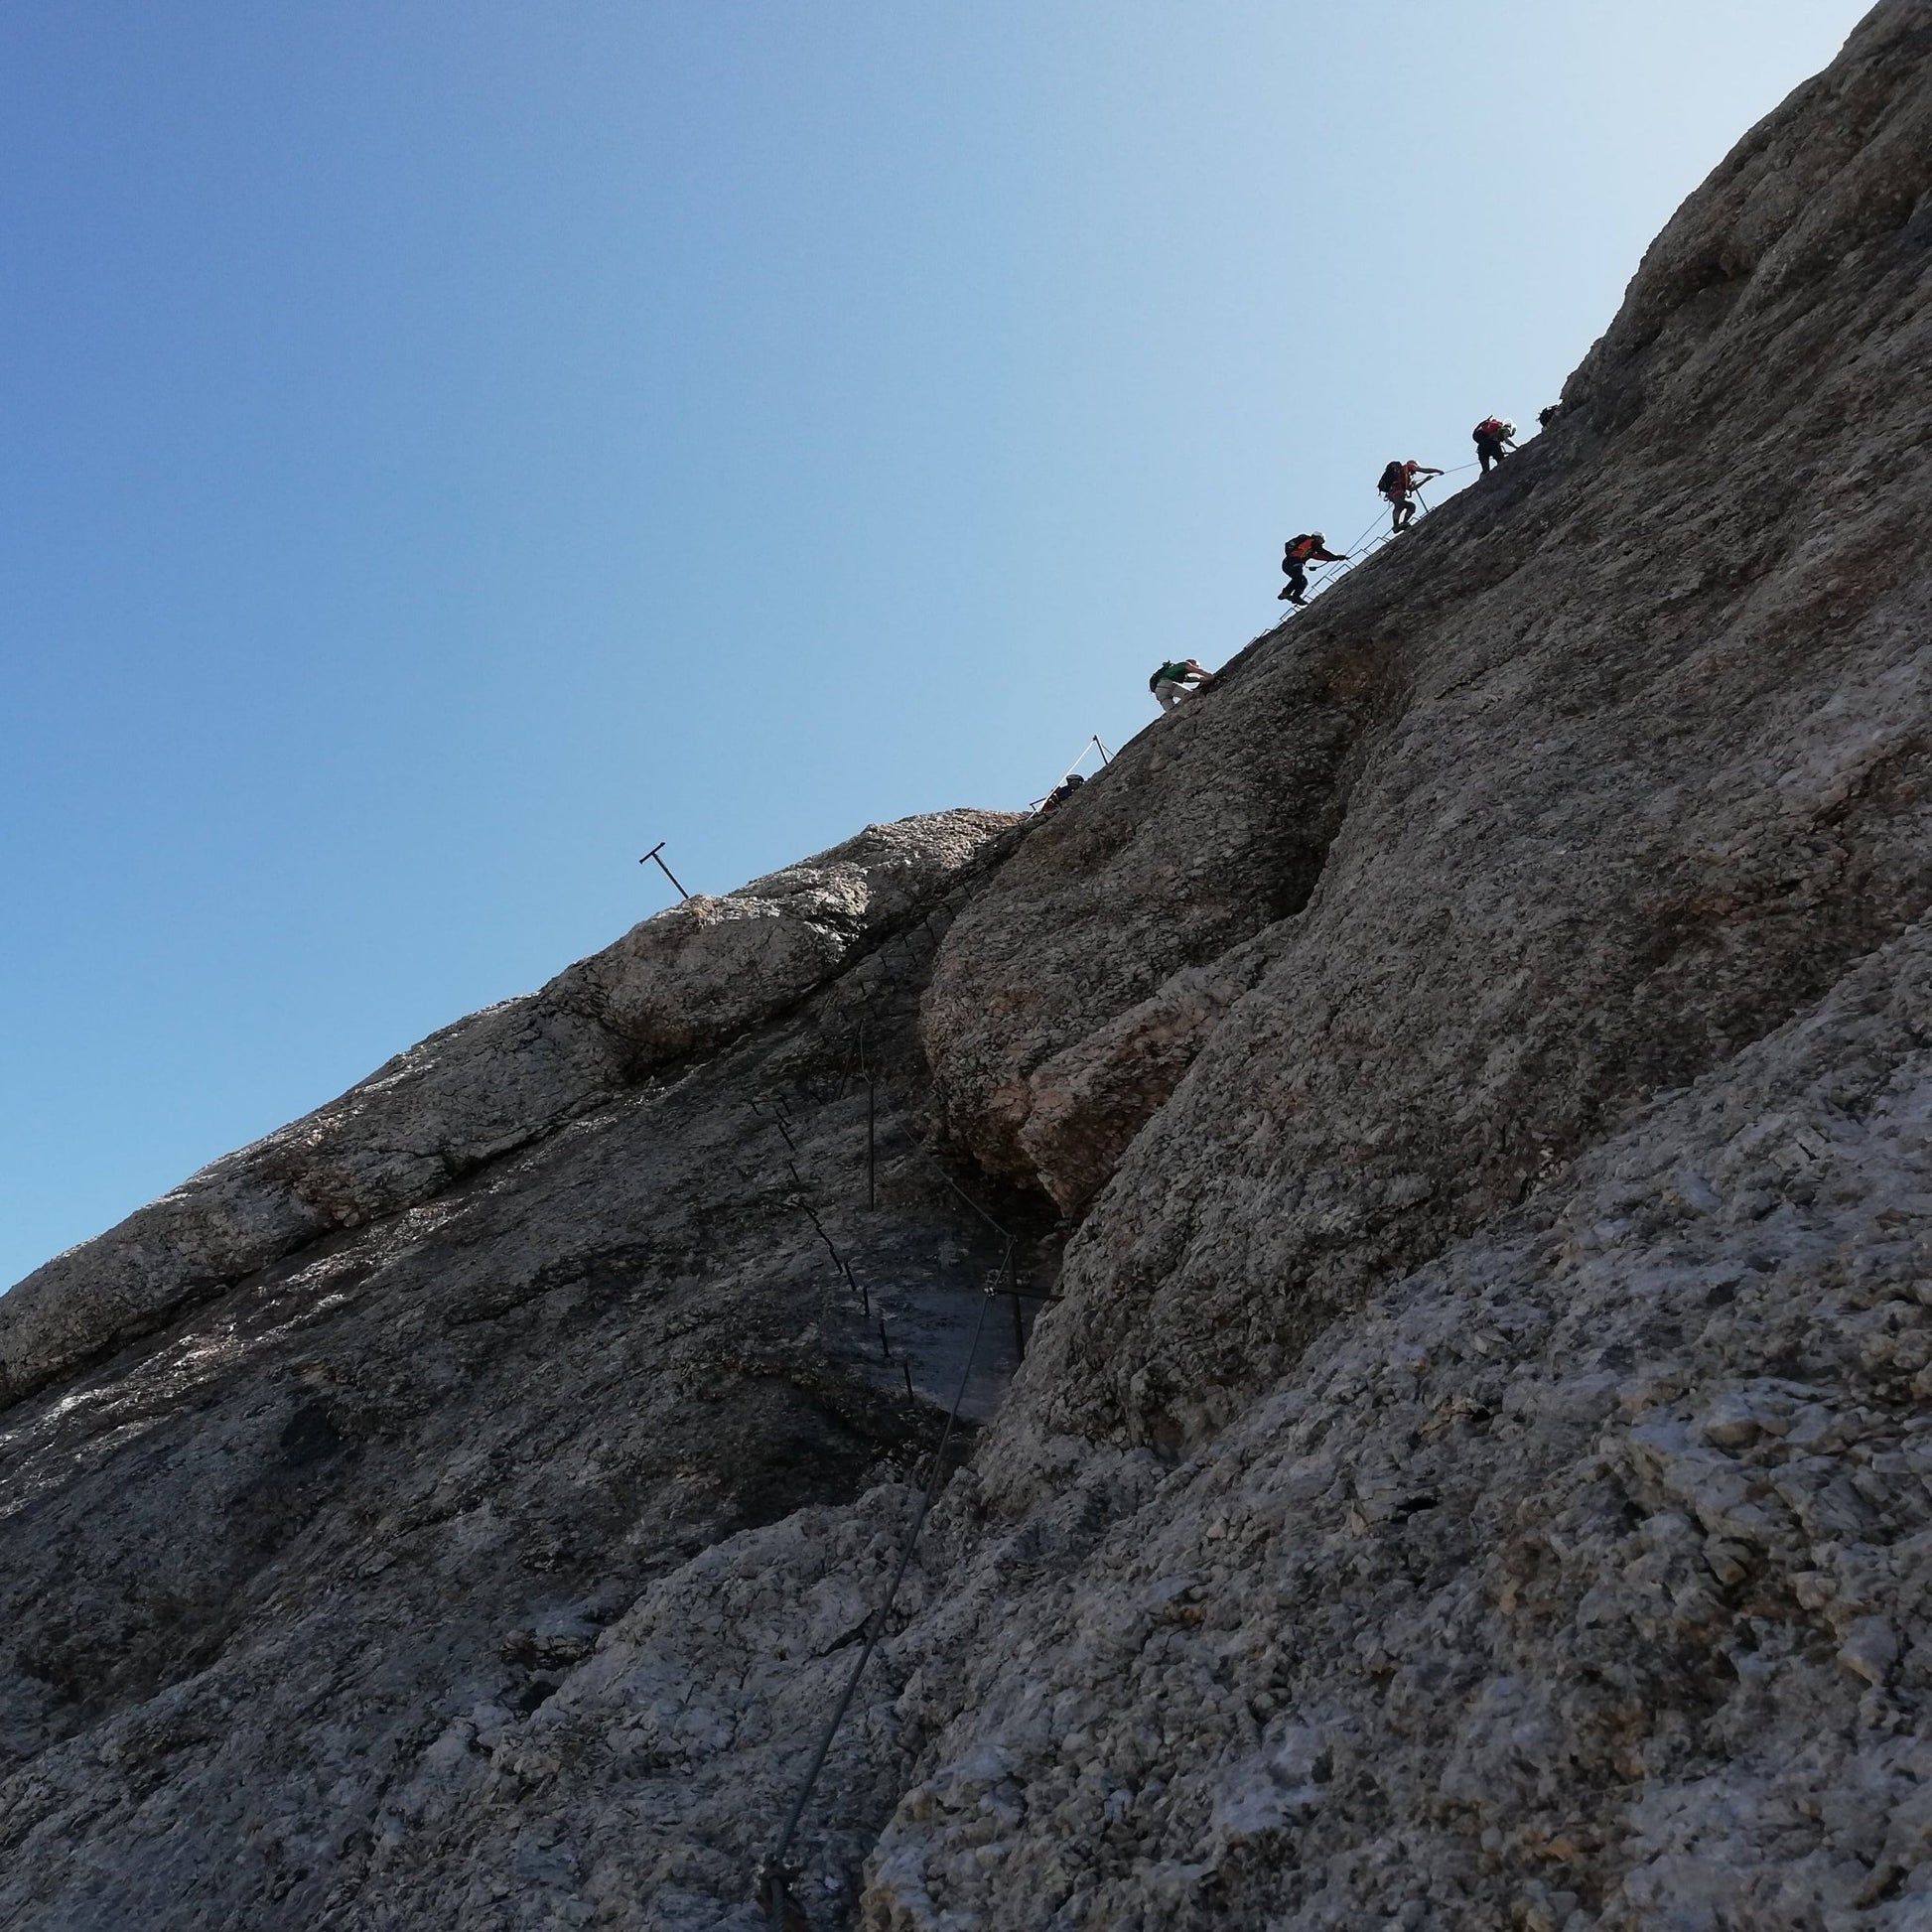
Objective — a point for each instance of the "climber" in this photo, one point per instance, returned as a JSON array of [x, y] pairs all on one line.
[[1490, 436], [1064, 791], [1545, 417], [1296, 554], [1175, 681], [1398, 484]]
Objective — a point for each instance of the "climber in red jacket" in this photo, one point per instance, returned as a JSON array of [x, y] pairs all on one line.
[[1398, 485], [1296, 555], [1494, 439]]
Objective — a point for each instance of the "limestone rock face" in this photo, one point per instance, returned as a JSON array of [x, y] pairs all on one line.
[[686, 980], [1455, 1103], [1085, 1104], [1578, 1580], [1605, 770], [1197, 837], [292, 1585]]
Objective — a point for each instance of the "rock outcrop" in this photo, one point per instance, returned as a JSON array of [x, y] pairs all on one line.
[[686, 981], [1473, 1468]]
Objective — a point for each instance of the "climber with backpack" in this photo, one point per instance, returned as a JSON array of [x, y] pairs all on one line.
[[1179, 679], [1494, 439], [1296, 555], [1399, 484]]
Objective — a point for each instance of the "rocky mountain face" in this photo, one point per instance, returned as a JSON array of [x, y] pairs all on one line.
[[1454, 1100]]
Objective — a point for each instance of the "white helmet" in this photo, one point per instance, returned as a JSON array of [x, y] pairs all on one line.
[[1320, 536]]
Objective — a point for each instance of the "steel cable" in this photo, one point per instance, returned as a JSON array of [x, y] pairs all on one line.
[[772, 1873]]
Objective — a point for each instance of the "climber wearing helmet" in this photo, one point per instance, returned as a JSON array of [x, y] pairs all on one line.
[[1296, 555], [1398, 485], [1494, 439], [1180, 679]]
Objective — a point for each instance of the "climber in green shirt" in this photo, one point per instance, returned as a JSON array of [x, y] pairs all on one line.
[[1177, 680]]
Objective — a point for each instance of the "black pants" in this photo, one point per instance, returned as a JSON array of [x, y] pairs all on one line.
[[1298, 579], [1489, 451]]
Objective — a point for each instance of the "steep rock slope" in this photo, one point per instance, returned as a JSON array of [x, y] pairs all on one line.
[[1605, 772], [1582, 1578], [278, 1569], [1579, 1578], [1474, 1473]]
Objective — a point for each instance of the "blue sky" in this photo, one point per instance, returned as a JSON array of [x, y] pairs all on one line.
[[450, 445]]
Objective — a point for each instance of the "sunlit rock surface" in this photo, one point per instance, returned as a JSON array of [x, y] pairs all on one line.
[[1464, 1083]]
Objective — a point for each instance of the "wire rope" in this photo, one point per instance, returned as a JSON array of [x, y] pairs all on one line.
[[771, 1879]]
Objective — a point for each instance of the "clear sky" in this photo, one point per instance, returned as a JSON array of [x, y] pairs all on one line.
[[450, 445]]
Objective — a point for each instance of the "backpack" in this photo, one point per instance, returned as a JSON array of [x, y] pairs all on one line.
[[1488, 428], [1296, 549], [1393, 475], [1171, 673]]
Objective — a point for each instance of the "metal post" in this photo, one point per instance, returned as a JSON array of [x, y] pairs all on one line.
[[1009, 1268], [651, 856]]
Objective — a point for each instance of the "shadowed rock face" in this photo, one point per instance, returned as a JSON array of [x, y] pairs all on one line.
[[1475, 1473]]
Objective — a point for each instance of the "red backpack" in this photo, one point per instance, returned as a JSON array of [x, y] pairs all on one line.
[[1488, 428]]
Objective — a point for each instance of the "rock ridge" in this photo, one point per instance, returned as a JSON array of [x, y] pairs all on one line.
[[681, 983], [1615, 763], [1458, 1096]]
